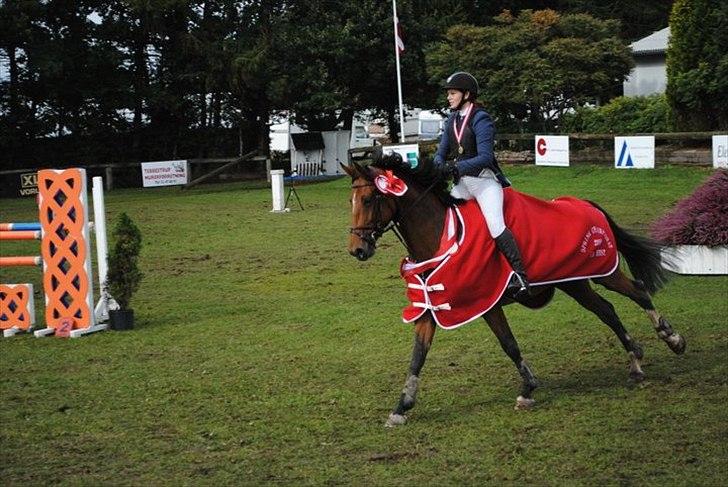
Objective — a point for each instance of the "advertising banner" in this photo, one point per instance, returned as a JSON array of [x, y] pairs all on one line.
[[720, 151], [29, 184], [636, 152], [552, 150], [164, 173]]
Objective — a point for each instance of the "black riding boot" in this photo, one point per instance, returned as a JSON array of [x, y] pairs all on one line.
[[519, 287]]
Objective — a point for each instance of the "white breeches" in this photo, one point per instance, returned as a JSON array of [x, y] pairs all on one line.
[[488, 192]]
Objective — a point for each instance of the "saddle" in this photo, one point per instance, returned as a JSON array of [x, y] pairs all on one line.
[[560, 240]]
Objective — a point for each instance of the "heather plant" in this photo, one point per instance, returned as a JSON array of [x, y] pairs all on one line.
[[699, 219]]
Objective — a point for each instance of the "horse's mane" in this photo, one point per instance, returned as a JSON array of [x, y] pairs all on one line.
[[425, 175]]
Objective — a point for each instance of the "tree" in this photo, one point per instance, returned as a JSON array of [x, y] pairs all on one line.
[[537, 66], [637, 19], [697, 65]]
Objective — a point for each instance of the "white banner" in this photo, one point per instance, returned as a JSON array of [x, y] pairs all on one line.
[[165, 173], [634, 152], [410, 153], [552, 150], [720, 151]]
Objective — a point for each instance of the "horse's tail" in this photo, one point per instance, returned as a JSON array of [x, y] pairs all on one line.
[[642, 254]]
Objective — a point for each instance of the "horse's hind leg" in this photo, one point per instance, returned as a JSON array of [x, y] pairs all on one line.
[[636, 291], [582, 292], [424, 332], [497, 321]]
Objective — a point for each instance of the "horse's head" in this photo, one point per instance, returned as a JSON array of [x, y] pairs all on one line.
[[373, 206]]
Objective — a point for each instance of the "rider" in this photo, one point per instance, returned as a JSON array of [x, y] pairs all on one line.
[[468, 144]]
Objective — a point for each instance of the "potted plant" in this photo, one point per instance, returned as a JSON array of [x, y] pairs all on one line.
[[124, 275], [695, 231]]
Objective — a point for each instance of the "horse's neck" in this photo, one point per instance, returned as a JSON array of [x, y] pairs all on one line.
[[422, 224]]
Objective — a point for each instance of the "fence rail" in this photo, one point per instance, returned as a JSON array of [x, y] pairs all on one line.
[[109, 168]]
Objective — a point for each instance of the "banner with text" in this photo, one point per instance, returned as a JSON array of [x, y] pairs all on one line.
[[165, 173], [552, 150], [720, 151], [634, 152]]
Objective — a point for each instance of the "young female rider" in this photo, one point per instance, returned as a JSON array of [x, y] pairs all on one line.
[[466, 154]]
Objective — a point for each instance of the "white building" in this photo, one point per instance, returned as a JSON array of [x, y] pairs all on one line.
[[649, 74]]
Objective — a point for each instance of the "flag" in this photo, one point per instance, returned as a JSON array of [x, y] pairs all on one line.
[[398, 36]]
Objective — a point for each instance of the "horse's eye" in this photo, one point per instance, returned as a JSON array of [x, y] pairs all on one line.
[[367, 200]]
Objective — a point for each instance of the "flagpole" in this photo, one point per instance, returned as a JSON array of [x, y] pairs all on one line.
[[399, 77]]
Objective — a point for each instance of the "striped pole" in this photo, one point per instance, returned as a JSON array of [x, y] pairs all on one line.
[[20, 261], [9, 227], [20, 235]]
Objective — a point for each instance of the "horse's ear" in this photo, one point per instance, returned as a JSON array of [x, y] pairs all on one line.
[[347, 169], [357, 169], [377, 154]]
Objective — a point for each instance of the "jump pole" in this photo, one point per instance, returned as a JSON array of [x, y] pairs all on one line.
[[14, 227], [20, 235], [106, 301], [21, 261]]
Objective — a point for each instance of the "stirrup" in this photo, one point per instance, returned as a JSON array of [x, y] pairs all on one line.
[[518, 287]]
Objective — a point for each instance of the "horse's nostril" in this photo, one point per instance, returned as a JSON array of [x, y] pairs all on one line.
[[360, 254]]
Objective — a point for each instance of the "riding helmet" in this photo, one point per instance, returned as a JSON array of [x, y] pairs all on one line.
[[462, 81]]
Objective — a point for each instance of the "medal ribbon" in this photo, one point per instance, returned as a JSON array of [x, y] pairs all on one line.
[[459, 134]]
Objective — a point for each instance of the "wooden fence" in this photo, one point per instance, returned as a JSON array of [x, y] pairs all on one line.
[[21, 182]]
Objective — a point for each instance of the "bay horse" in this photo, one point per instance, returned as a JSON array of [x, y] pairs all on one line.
[[418, 216]]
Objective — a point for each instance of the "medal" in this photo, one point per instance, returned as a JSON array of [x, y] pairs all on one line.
[[459, 133]]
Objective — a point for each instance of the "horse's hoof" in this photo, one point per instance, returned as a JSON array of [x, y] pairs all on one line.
[[639, 354], [636, 376], [395, 420], [676, 343], [524, 403]]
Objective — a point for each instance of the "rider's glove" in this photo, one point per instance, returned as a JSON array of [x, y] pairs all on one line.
[[449, 170]]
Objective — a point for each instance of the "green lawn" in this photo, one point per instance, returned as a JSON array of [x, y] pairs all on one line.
[[263, 353]]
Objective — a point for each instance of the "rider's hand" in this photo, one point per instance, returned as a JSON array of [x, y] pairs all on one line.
[[449, 170]]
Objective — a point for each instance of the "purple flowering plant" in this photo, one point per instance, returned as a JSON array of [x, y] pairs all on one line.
[[698, 219]]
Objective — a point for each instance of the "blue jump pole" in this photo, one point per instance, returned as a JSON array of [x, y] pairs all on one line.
[[20, 226]]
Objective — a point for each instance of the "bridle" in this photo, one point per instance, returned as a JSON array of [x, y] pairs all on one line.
[[371, 233]]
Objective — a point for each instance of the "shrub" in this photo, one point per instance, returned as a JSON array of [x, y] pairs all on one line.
[[697, 65], [699, 219], [124, 275], [639, 114]]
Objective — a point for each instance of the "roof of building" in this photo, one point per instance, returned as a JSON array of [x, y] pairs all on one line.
[[652, 44], [308, 141]]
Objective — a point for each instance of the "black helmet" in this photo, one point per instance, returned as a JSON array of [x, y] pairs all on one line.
[[464, 82]]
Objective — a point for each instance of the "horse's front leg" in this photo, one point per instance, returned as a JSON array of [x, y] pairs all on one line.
[[424, 331], [497, 321]]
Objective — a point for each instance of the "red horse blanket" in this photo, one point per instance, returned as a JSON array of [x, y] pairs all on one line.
[[560, 240]]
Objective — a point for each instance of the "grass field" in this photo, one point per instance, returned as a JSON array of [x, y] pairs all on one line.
[[263, 353]]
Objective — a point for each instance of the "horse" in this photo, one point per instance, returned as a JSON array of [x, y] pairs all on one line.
[[418, 216]]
